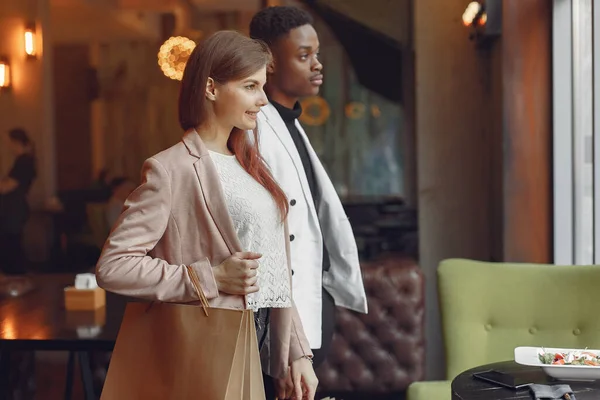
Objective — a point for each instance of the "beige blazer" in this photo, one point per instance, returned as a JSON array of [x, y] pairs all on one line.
[[176, 218]]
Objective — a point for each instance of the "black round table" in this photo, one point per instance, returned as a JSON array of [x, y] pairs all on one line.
[[465, 387]]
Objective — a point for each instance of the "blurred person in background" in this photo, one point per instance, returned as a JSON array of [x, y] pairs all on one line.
[[14, 207]]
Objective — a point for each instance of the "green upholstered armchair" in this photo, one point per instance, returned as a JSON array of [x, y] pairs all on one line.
[[488, 309]]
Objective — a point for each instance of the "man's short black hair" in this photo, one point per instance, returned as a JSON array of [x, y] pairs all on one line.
[[271, 23]]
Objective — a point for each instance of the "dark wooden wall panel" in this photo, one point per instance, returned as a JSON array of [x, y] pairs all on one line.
[[527, 81]]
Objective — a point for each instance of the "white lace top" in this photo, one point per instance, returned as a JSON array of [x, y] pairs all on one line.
[[257, 222]]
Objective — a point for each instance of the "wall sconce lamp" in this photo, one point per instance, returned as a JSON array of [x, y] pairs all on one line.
[[30, 40], [5, 81], [474, 15], [484, 19]]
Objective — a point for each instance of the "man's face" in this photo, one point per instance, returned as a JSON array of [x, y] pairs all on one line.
[[296, 70]]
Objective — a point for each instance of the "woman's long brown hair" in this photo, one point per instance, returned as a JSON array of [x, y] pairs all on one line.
[[228, 56]]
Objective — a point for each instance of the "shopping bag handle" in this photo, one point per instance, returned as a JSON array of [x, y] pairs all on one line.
[[196, 284]]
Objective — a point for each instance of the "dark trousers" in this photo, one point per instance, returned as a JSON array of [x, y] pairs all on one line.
[[12, 257], [327, 329]]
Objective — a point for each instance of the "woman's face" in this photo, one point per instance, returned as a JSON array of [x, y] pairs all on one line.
[[237, 103]]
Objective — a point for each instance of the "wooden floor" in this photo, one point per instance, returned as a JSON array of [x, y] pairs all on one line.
[[50, 370]]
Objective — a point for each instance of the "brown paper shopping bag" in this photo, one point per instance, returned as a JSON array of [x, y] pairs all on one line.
[[180, 352]]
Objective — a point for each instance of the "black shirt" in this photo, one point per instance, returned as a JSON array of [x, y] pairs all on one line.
[[23, 171], [289, 117], [14, 209]]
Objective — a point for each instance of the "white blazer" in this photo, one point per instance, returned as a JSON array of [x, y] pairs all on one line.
[[343, 280]]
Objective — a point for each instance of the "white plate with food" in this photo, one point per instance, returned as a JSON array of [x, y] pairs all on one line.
[[563, 364]]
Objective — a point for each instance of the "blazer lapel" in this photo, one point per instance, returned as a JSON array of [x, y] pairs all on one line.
[[320, 174], [281, 131], [211, 188], [278, 126]]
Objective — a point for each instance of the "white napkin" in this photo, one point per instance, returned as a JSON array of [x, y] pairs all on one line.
[[85, 281]]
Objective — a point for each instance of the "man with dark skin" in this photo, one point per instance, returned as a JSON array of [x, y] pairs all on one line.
[[296, 71], [324, 258]]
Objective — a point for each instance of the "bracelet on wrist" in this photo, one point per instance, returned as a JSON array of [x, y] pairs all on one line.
[[309, 358]]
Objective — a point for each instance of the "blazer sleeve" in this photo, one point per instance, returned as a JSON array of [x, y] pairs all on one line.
[[126, 268], [299, 344]]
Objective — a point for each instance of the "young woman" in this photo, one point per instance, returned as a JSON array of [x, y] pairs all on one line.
[[209, 210]]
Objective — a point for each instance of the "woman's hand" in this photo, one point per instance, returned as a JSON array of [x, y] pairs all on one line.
[[8, 185], [284, 387], [238, 273], [304, 379]]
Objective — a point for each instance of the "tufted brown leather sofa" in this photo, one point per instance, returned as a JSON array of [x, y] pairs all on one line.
[[383, 351]]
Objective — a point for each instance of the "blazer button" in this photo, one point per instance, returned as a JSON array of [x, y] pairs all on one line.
[[293, 202], [292, 237], [292, 272]]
